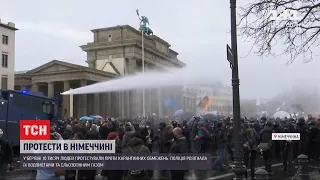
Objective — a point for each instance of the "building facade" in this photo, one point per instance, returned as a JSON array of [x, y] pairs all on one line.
[[7, 50], [119, 50], [221, 96], [115, 52]]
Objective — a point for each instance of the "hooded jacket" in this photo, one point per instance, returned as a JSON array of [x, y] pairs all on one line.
[[136, 146], [266, 134], [128, 135], [251, 137]]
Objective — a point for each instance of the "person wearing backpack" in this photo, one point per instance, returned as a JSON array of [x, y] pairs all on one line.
[[6, 156], [136, 146]]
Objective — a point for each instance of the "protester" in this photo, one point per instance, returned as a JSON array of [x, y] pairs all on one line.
[[48, 173], [6, 155], [266, 144], [136, 146], [180, 145], [93, 133], [250, 139], [194, 134], [114, 174]]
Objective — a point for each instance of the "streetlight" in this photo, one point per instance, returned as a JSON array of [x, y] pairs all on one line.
[[145, 30], [232, 54], [143, 92]]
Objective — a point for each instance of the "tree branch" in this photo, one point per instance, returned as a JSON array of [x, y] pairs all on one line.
[[275, 38]]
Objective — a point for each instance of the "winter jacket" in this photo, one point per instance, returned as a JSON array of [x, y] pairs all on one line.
[[128, 135], [136, 146]]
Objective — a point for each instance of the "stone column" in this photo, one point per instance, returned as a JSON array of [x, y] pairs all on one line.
[[102, 105], [150, 101], [123, 104], [128, 102], [118, 102], [83, 100], [109, 104], [160, 110], [96, 104], [135, 95], [50, 89], [66, 99], [135, 103], [115, 104], [181, 100], [35, 87]]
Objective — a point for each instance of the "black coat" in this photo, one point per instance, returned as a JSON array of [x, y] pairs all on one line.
[[165, 142], [6, 152], [104, 131], [113, 174], [136, 146], [93, 135], [180, 145], [67, 134], [314, 143]]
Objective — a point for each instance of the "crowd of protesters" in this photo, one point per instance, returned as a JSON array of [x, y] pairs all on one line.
[[186, 135]]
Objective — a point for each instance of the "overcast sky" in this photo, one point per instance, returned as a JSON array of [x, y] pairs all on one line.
[[197, 30]]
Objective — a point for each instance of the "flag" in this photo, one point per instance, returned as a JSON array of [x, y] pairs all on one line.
[[205, 103]]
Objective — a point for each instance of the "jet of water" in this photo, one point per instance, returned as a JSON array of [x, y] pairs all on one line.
[[176, 77]]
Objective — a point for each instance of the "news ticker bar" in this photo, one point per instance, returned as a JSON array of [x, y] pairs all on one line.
[[117, 161]]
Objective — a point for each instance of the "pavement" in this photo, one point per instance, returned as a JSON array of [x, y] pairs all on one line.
[[19, 174], [314, 175]]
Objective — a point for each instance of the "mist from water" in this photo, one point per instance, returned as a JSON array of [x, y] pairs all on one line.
[[170, 78]]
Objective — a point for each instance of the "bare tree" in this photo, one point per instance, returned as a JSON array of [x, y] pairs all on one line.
[[297, 38]]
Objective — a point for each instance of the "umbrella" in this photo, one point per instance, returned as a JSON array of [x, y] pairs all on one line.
[[209, 116], [97, 117], [179, 112], [281, 115], [212, 112], [83, 118]]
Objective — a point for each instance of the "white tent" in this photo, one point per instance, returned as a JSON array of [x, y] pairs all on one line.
[[281, 115]]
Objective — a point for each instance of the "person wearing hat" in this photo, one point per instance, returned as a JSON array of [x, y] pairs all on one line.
[[6, 155], [113, 174]]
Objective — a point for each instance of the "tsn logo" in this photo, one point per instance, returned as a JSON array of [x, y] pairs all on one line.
[[35, 130]]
